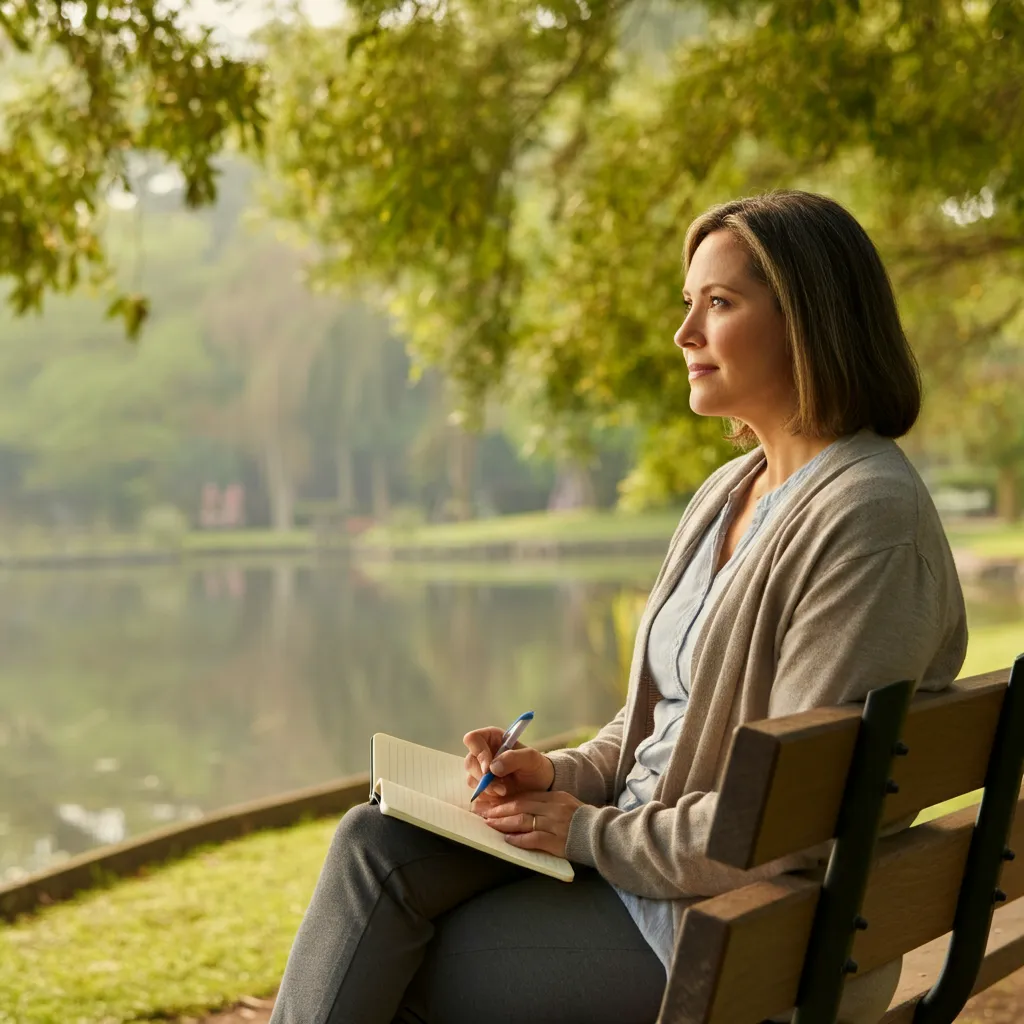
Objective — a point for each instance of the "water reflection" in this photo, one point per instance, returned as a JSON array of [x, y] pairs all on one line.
[[134, 698]]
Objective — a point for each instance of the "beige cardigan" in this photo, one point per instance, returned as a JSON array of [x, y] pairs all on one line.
[[850, 586]]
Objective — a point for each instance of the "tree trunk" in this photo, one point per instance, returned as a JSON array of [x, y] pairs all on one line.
[[574, 488], [1008, 493], [345, 463], [279, 488], [381, 492], [461, 454]]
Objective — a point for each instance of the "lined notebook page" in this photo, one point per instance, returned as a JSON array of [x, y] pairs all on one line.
[[428, 771], [463, 826]]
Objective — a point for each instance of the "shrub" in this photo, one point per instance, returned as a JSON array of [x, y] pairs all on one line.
[[164, 526]]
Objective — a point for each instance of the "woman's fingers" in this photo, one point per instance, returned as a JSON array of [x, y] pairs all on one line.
[[518, 759], [528, 803], [543, 841], [482, 743], [521, 822], [478, 744], [494, 793], [535, 821]]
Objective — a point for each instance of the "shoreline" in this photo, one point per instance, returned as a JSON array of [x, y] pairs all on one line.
[[96, 868], [984, 551], [1004, 570]]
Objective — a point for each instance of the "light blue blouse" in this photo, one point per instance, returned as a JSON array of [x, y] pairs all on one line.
[[669, 651]]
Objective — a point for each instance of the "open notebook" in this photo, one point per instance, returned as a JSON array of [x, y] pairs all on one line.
[[428, 788]]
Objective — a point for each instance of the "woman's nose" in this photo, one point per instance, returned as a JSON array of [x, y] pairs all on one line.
[[687, 334]]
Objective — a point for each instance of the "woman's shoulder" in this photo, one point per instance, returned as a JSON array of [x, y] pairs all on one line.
[[873, 494]]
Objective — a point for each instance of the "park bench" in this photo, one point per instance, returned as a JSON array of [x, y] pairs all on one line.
[[846, 774]]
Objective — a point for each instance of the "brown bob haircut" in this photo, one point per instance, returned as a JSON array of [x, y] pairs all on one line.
[[852, 364]]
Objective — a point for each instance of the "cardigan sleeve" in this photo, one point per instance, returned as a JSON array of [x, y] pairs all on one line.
[[588, 771], [867, 621]]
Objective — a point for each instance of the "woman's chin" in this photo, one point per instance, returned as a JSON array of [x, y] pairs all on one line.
[[700, 405]]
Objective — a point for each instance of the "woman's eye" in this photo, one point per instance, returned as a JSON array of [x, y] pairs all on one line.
[[714, 301]]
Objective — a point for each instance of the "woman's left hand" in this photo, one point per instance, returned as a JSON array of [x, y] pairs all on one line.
[[534, 821]]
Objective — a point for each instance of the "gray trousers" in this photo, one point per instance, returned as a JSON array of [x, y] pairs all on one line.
[[406, 927]]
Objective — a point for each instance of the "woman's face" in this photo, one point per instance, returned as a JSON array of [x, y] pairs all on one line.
[[733, 324]]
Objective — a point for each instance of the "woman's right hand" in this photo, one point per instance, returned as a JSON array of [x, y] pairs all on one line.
[[520, 770]]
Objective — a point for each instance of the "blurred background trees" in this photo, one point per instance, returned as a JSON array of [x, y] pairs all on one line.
[[460, 292]]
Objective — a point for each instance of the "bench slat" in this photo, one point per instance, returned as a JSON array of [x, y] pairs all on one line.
[[1004, 955], [743, 951], [784, 780]]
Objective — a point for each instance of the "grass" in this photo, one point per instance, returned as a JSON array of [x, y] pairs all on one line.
[[617, 569], [983, 537], [195, 935], [993, 647], [996, 540], [538, 527], [991, 540], [132, 545], [989, 648]]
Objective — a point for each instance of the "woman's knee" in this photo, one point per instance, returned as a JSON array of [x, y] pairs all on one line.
[[359, 829], [367, 834]]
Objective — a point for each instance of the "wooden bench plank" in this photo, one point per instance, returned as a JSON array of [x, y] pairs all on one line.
[[740, 952], [785, 776], [743, 950], [1004, 955]]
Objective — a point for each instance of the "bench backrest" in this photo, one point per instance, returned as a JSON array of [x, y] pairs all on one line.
[[742, 954]]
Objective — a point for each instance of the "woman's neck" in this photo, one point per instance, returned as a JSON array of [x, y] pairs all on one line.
[[784, 455]]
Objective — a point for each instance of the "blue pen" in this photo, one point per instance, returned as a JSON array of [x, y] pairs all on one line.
[[508, 741]]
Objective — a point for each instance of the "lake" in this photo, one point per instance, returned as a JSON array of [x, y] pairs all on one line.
[[137, 697]]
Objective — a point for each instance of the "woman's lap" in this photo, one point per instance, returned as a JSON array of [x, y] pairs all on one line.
[[406, 927], [540, 950]]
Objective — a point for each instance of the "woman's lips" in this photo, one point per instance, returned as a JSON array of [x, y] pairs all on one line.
[[700, 371]]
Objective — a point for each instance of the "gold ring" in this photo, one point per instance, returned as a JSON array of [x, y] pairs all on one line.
[[534, 829]]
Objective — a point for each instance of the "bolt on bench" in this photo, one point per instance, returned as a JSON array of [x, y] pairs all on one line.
[[845, 774]]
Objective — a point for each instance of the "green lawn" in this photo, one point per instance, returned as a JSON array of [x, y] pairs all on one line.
[[195, 935], [992, 647], [539, 527], [630, 570], [128, 545], [585, 527], [997, 540]]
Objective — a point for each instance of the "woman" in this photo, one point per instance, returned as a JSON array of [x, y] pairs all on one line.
[[805, 572]]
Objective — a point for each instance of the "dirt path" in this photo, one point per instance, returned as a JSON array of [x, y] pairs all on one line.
[[249, 1011]]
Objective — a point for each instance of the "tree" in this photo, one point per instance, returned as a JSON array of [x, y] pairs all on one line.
[[362, 408], [97, 425], [268, 329], [526, 207], [93, 84]]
